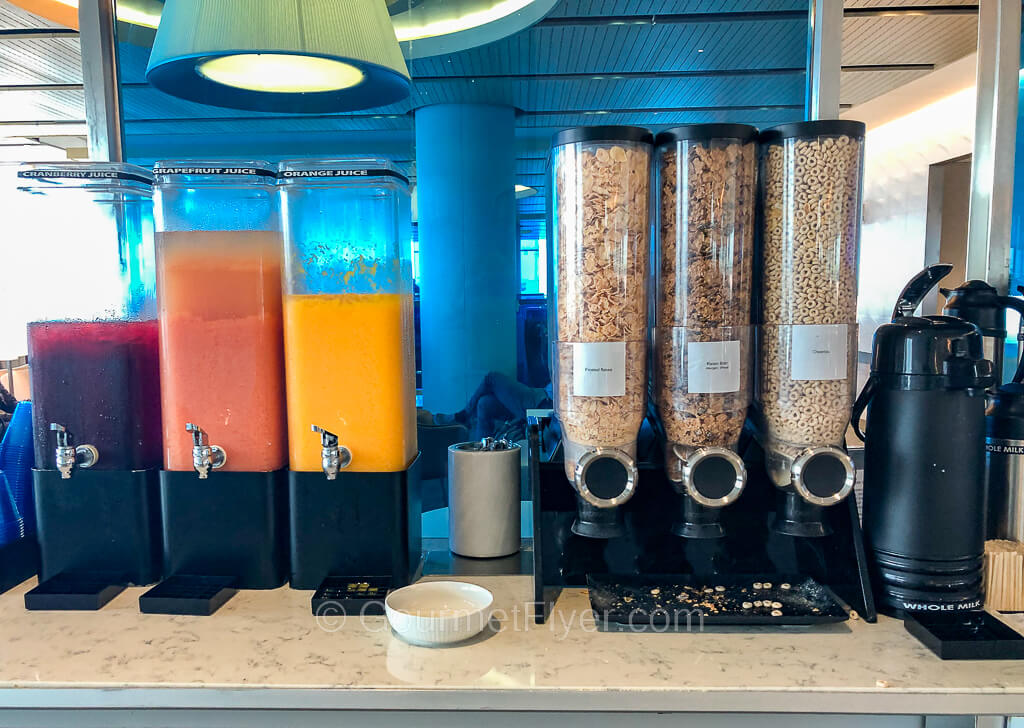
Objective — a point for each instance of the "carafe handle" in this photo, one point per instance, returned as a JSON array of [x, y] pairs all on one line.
[[861, 404]]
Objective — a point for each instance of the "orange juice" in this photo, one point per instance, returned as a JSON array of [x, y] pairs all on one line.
[[350, 369], [221, 349]]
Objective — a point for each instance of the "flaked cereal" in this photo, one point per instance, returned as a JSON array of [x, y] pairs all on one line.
[[601, 205]]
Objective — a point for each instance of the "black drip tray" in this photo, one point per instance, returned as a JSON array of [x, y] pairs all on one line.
[[686, 601], [351, 596], [78, 591], [972, 635], [195, 595]]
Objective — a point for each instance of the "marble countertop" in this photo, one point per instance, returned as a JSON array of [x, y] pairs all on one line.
[[266, 650]]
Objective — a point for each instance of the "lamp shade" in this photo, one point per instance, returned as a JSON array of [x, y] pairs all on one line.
[[279, 55]]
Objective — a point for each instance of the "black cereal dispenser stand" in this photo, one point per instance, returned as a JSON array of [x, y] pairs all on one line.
[[924, 466]]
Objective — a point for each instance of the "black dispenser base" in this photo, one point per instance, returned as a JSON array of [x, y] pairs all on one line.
[[80, 591], [655, 546], [198, 596], [228, 525], [99, 521], [359, 523]]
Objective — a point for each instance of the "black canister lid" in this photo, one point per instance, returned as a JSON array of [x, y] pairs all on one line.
[[807, 129], [932, 346], [707, 132], [979, 303], [634, 134]]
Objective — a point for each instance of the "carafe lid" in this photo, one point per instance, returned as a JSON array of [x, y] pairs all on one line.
[[1007, 400], [979, 303], [932, 346]]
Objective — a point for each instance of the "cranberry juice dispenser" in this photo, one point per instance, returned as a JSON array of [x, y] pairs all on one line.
[[811, 175], [350, 370], [221, 358], [705, 193], [600, 228], [95, 377]]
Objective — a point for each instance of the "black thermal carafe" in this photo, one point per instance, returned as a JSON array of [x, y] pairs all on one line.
[[924, 458]]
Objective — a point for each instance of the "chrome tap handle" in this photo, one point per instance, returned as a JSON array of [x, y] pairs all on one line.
[[205, 457], [67, 456], [333, 457]]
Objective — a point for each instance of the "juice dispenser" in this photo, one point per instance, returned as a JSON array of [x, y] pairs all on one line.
[[218, 245], [705, 193], [350, 370], [811, 177], [600, 251], [95, 380]]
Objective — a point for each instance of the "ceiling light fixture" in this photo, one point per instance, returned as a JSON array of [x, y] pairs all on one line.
[[288, 55], [523, 191], [411, 31]]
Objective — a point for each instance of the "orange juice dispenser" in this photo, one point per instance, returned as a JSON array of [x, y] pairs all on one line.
[[350, 370], [222, 385]]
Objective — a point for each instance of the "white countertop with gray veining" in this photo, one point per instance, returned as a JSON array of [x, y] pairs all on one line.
[[266, 650]]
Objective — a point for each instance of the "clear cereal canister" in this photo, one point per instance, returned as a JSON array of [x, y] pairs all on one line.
[[811, 176], [705, 192], [600, 233]]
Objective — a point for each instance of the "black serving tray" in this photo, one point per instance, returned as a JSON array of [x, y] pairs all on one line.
[[76, 591], [190, 594], [351, 596], [683, 600], [973, 635]]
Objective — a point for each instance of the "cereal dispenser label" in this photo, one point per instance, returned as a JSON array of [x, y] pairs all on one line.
[[713, 367], [599, 369], [819, 352]]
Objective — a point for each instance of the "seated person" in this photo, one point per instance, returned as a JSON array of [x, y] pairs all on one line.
[[7, 405], [498, 400]]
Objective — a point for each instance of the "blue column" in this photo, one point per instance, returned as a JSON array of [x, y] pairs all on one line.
[[465, 177]]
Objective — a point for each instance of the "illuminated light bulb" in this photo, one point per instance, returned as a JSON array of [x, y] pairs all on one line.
[[280, 72]]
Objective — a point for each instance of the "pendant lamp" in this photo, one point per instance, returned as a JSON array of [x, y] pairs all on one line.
[[279, 55]]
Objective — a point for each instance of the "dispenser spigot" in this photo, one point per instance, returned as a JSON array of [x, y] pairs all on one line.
[[68, 455], [333, 457], [205, 457]]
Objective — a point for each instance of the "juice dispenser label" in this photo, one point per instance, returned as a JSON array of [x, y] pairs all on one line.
[[819, 352], [713, 367], [599, 369]]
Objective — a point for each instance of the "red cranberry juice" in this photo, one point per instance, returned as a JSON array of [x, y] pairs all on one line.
[[101, 380]]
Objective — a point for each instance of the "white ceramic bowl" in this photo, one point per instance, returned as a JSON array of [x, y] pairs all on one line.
[[434, 613]]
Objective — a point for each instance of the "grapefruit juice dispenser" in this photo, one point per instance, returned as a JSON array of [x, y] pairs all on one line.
[[350, 369], [92, 348], [218, 245]]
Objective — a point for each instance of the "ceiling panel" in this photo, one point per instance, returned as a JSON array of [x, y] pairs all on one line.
[[41, 60], [938, 39], [29, 106], [654, 7]]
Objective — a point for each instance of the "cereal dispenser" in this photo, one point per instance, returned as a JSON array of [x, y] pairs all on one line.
[[811, 184], [95, 381], [600, 228], [222, 375], [705, 192], [350, 370]]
